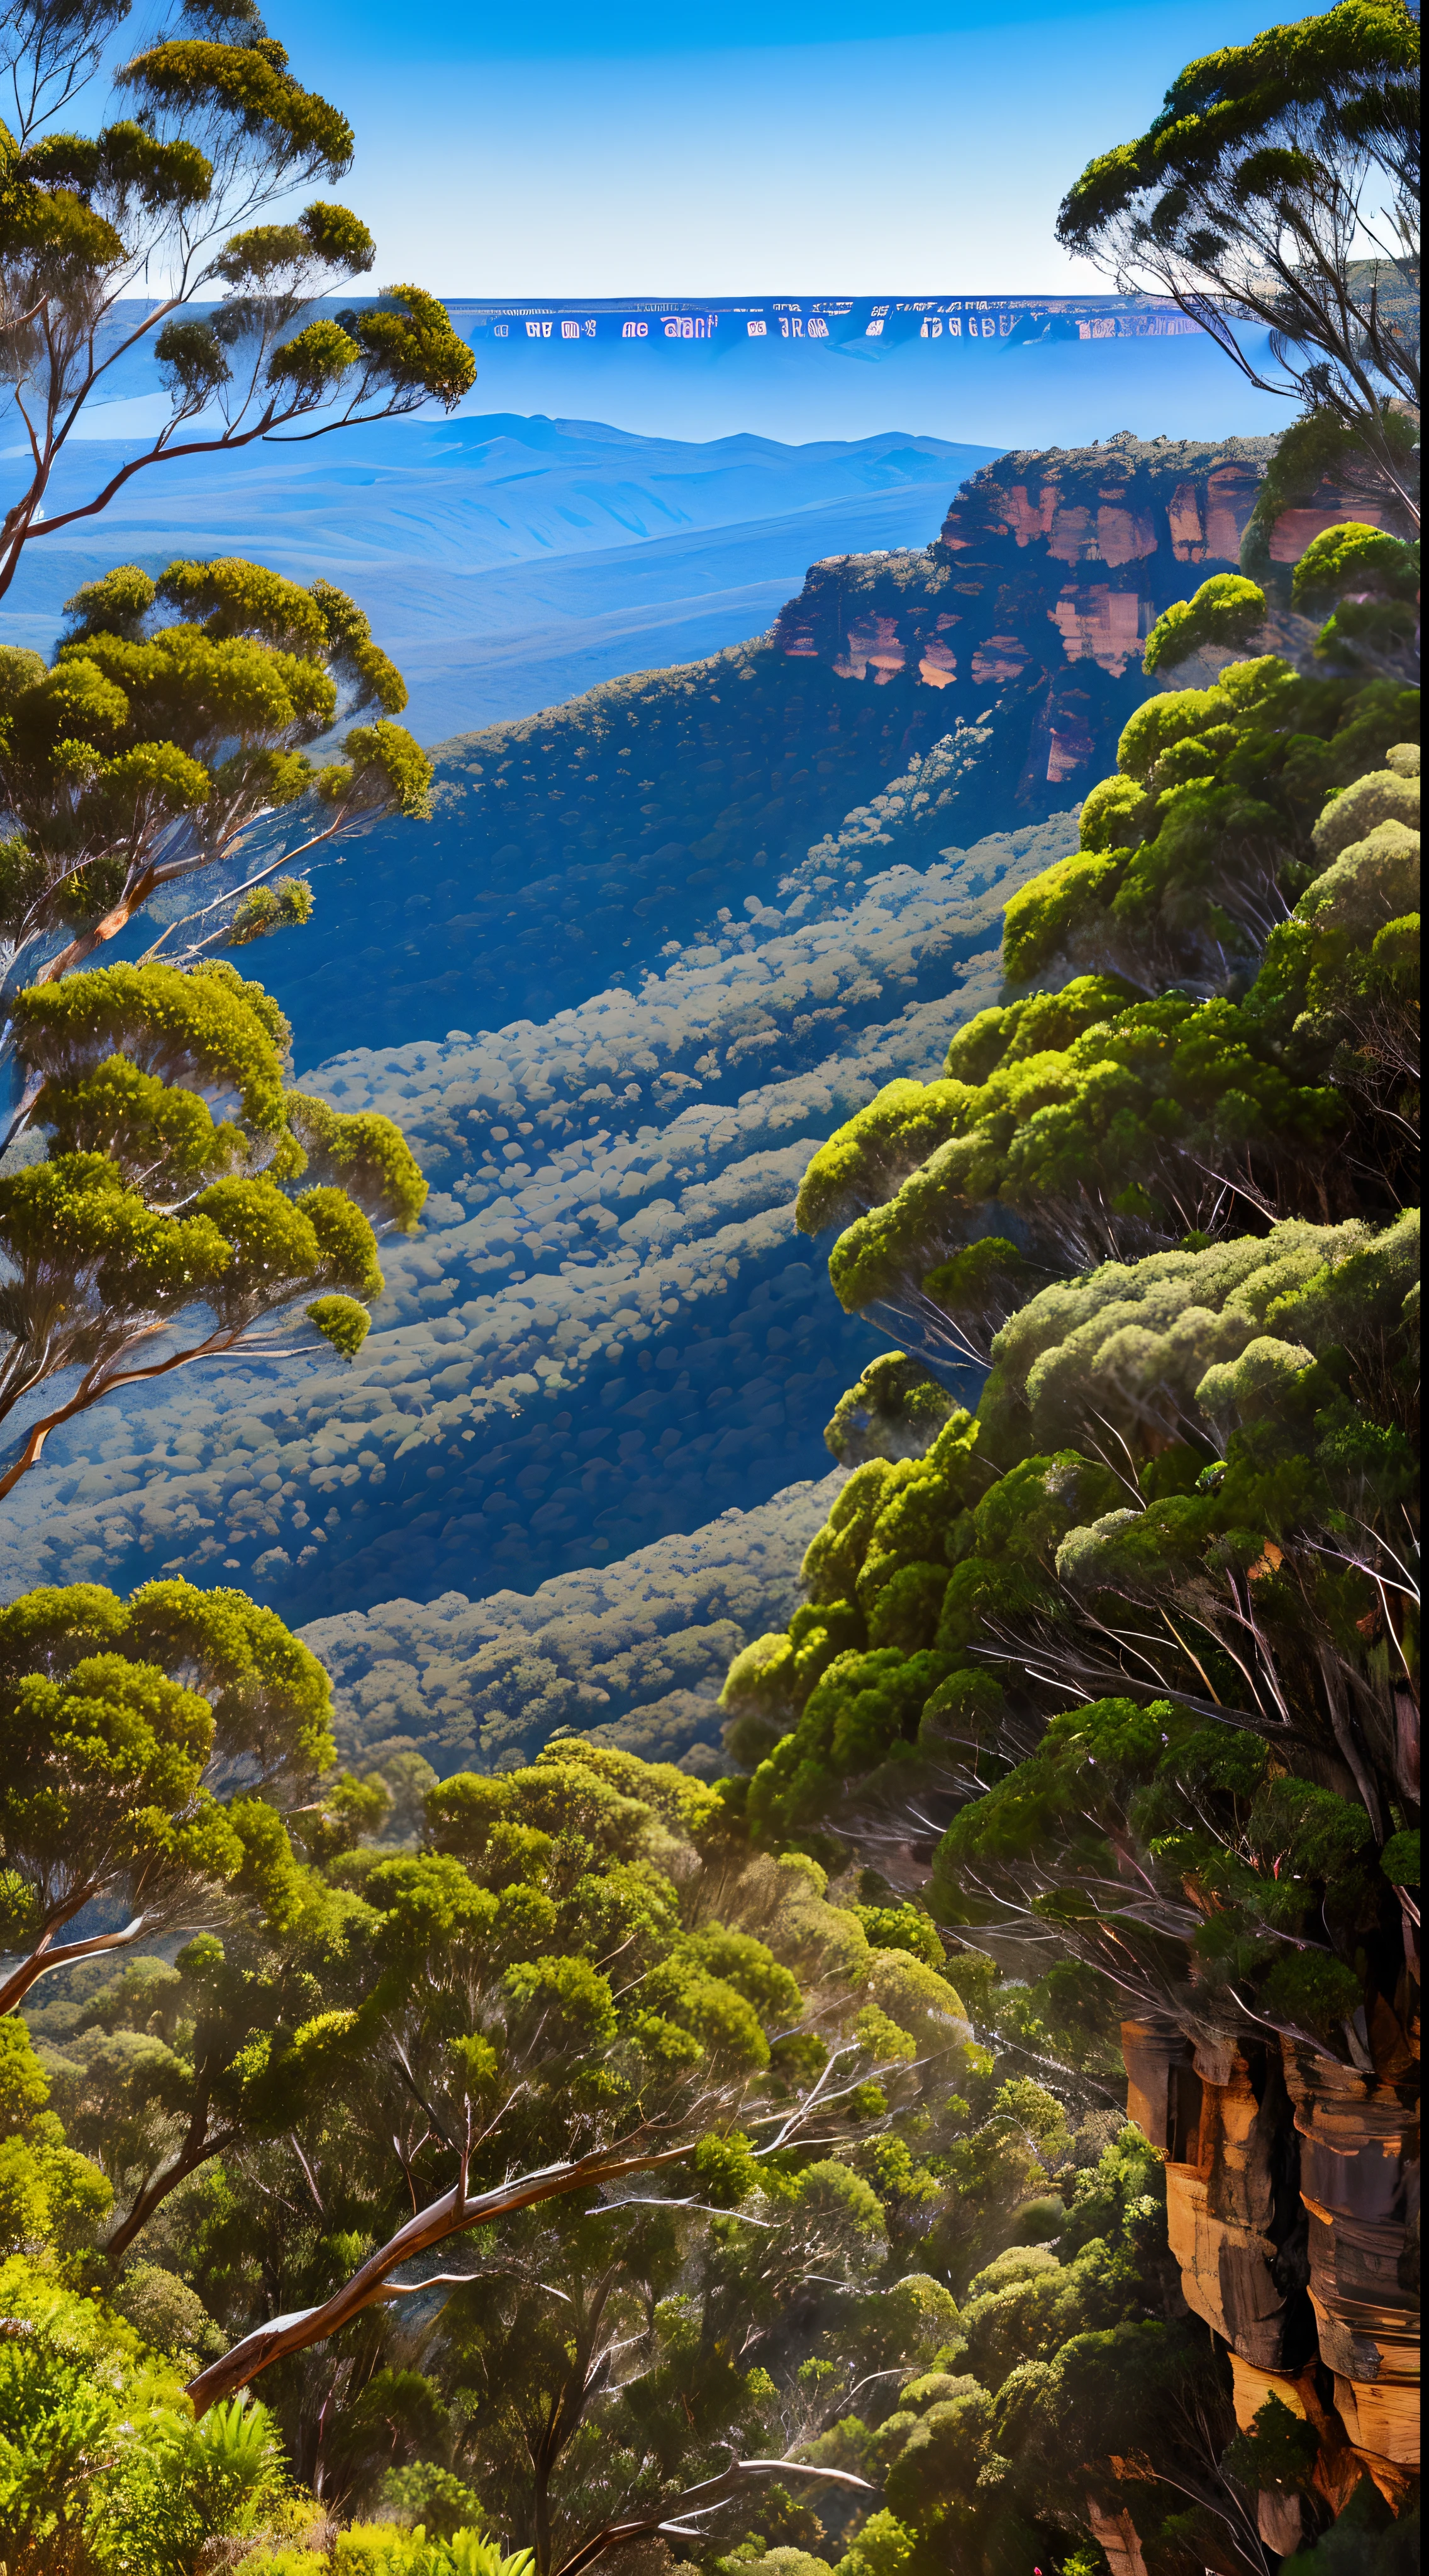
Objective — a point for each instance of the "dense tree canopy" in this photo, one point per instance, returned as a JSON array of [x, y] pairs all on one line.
[[174, 716], [583, 2158], [148, 1750], [581, 1958], [1106, 1122], [154, 1234], [883, 2265], [1124, 1665]]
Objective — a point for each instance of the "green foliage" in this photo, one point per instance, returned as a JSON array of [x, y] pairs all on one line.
[[882, 2547], [175, 715], [149, 1209], [101, 2463], [1108, 1128], [1278, 2450], [1354, 557], [1183, 1491], [1056, 2369], [1191, 854], [478, 1974], [341, 1321], [1399, 1859], [984, 1546], [363, 1154], [907, 1120], [166, 2313], [135, 1738], [206, 127], [895, 1410], [1112, 1145], [1267, 1862], [285, 905], [1244, 197], [52, 2199], [1317, 448], [902, 1927], [1367, 2540], [1224, 612]]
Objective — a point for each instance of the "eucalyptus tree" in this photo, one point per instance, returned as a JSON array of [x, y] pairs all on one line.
[[203, 134], [174, 717], [1240, 1036], [549, 1974], [1278, 188], [154, 1234], [149, 1749]]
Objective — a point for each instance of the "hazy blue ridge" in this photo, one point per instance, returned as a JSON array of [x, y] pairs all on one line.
[[507, 563], [1018, 370]]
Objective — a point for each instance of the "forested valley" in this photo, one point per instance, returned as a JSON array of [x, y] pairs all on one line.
[[950, 2107]]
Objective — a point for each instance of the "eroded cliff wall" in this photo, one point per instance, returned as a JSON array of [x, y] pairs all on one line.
[[1031, 611], [567, 850]]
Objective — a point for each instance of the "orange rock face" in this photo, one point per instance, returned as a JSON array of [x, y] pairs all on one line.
[[1359, 2180], [1124, 536], [1230, 498], [1292, 2184], [1102, 625], [1217, 2118], [1000, 658], [1294, 529], [1207, 523], [1068, 751], [873, 645], [937, 664], [1116, 2535], [985, 624], [1025, 521], [1188, 534]]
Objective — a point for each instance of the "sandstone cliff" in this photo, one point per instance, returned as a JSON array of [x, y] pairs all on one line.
[[1032, 609], [570, 847], [1292, 2188]]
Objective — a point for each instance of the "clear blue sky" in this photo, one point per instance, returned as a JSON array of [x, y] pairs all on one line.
[[852, 145]]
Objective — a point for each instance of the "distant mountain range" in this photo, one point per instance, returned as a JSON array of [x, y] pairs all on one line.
[[567, 850], [509, 563], [1005, 369]]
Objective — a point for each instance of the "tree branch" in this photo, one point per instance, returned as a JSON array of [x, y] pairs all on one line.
[[448, 2216], [713, 2492]]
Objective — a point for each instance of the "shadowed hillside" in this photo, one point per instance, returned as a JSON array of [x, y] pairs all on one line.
[[608, 1327], [569, 848], [675, 933]]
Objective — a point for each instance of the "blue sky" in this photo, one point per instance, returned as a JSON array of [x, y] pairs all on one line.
[[763, 144]]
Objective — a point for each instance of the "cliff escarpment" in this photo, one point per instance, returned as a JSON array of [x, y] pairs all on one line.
[[1031, 610], [567, 849]]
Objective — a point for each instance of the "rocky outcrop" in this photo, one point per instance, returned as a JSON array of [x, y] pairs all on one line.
[[1284, 2517], [566, 850], [1359, 2182], [1117, 2537], [1234, 2215], [1292, 2188], [1295, 529], [1032, 609]]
